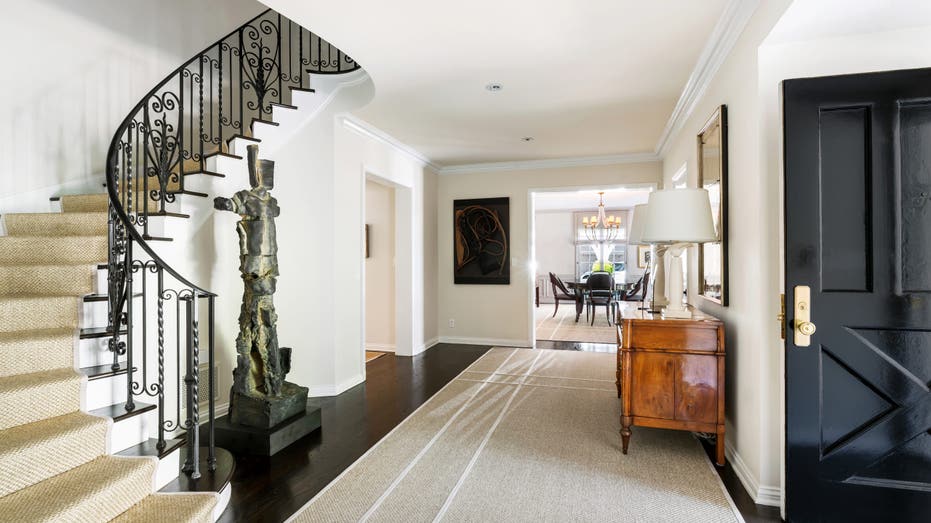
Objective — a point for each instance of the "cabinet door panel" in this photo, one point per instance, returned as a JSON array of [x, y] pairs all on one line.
[[696, 388], [653, 378]]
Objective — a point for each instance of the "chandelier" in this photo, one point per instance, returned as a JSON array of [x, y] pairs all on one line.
[[601, 228]]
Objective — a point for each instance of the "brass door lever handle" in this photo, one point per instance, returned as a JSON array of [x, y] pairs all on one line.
[[803, 326]]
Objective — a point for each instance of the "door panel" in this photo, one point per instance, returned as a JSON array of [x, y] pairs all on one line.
[[858, 233]]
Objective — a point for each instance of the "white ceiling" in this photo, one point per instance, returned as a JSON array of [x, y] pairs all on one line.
[[813, 19], [584, 78], [588, 199]]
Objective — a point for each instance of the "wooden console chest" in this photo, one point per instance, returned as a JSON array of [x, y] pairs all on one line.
[[670, 374]]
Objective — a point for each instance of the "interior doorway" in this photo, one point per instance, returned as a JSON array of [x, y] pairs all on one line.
[[566, 253], [380, 269]]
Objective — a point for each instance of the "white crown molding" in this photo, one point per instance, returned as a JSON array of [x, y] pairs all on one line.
[[727, 30], [554, 163], [364, 128], [730, 25]]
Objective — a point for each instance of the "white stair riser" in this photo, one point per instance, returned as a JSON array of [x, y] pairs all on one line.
[[100, 281], [132, 431], [224, 500], [168, 469], [93, 352], [94, 314], [102, 392]]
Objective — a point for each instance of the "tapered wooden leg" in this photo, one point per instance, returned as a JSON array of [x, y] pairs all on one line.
[[719, 446], [617, 374], [557, 308], [625, 433]]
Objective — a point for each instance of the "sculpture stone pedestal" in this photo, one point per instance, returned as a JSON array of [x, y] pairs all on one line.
[[268, 411], [242, 439]]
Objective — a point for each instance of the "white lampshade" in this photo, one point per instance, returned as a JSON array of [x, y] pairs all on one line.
[[679, 216], [636, 226]]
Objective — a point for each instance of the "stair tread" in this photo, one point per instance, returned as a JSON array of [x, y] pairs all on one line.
[[118, 411], [19, 313], [37, 451], [99, 490], [27, 398], [157, 508], [53, 250], [103, 371], [98, 332], [47, 280], [50, 348], [149, 447]]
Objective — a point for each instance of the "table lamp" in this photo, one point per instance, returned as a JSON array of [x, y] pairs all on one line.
[[678, 218], [657, 264]]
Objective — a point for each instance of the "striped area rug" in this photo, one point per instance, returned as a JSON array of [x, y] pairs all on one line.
[[563, 327], [526, 435]]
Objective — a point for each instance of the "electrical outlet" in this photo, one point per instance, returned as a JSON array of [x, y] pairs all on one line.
[[452, 323]]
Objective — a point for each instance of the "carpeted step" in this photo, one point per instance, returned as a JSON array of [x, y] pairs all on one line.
[[46, 349], [23, 313], [37, 451], [47, 280], [56, 250], [57, 224], [85, 203], [96, 491], [27, 398], [177, 508]]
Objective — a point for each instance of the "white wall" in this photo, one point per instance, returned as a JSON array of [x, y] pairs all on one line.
[[750, 318], [379, 267], [554, 245], [363, 152], [749, 83], [81, 67], [500, 314]]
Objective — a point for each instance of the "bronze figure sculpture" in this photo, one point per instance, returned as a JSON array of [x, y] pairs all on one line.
[[259, 396]]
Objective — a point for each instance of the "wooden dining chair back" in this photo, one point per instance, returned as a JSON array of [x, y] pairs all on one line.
[[561, 292], [601, 293]]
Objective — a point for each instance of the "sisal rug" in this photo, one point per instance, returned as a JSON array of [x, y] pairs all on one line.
[[526, 435], [564, 328]]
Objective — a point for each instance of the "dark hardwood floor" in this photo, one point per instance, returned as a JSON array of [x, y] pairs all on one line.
[[271, 489]]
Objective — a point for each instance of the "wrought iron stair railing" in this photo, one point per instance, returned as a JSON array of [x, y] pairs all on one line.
[[170, 135]]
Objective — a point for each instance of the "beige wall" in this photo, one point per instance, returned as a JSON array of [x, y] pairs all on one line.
[[749, 83], [554, 247], [379, 267], [752, 426], [500, 314]]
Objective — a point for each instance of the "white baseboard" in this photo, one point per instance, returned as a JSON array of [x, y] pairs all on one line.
[[498, 342], [427, 345], [761, 494], [337, 389], [380, 347]]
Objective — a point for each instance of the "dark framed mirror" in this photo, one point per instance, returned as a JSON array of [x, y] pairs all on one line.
[[712, 176]]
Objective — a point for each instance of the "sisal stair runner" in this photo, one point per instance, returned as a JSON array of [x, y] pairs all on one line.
[[53, 457]]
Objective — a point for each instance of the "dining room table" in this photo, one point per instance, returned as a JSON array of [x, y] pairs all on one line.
[[580, 288]]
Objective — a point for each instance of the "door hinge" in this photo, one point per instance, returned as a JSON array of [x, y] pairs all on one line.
[[781, 317]]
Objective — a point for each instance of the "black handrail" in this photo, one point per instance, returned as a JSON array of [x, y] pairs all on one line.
[[189, 116]]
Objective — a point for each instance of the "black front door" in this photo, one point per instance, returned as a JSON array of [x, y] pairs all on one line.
[[858, 233]]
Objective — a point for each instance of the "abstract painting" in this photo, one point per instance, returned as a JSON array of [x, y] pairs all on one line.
[[481, 232]]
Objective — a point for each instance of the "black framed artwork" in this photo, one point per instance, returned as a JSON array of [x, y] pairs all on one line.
[[482, 241]]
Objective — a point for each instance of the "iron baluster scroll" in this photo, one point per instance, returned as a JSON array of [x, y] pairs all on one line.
[[155, 314]]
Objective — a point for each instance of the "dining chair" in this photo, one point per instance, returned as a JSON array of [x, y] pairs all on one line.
[[561, 292], [601, 292], [639, 291]]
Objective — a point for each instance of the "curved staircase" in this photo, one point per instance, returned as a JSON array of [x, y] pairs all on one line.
[[57, 460], [104, 345]]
